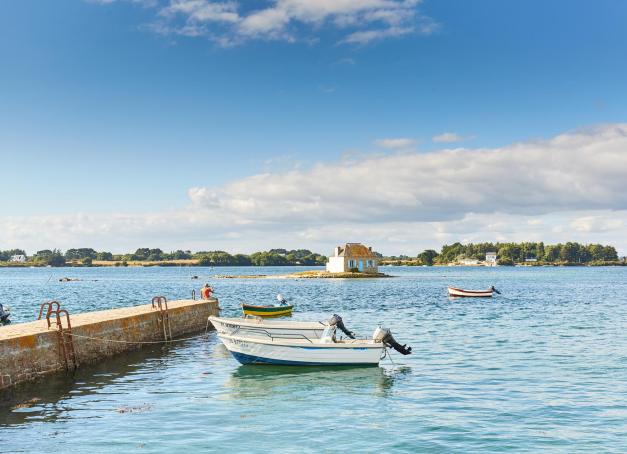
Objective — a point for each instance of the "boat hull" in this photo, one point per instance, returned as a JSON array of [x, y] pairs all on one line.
[[302, 353], [266, 329], [461, 293], [267, 311]]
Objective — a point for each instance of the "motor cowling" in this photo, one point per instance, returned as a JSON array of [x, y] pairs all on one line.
[[336, 320], [384, 335], [4, 315]]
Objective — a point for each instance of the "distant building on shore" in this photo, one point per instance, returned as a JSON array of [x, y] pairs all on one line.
[[490, 258], [469, 262], [353, 256], [18, 258]]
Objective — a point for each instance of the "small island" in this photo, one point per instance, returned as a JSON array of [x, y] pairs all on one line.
[[351, 261]]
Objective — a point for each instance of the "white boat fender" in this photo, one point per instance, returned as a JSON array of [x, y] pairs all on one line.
[[384, 335], [336, 320]]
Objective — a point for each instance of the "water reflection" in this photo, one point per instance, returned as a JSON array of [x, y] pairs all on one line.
[[49, 399], [253, 381]]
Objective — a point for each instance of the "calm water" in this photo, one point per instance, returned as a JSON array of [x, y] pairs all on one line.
[[543, 368]]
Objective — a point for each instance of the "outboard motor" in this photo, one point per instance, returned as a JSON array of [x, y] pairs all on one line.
[[4, 315], [336, 320], [495, 290], [282, 301], [385, 335]]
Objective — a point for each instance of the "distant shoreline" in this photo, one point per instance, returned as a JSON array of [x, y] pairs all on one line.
[[194, 263], [313, 274]]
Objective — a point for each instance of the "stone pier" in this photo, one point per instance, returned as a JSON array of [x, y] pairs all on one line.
[[30, 350]]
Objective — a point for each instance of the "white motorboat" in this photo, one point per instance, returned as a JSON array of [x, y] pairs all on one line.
[[302, 351], [257, 327]]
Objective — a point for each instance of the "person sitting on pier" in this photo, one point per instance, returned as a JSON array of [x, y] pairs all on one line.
[[205, 292]]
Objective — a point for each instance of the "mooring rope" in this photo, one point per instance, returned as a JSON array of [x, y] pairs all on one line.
[[135, 342]]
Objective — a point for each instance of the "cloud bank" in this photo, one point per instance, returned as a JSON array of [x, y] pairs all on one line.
[[581, 170], [568, 187]]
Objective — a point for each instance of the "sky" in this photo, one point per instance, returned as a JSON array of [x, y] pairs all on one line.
[[249, 125]]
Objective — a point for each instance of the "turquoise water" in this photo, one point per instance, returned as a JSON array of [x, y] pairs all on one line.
[[541, 369]]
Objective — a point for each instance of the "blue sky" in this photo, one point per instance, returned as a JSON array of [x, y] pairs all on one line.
[[118, 108]]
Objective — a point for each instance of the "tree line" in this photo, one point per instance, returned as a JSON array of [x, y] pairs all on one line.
[[86, 256], [511, 253]]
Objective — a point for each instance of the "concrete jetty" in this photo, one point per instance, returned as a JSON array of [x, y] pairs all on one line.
[[62, 342]]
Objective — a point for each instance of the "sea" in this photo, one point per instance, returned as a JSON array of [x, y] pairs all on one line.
[[540, 368]]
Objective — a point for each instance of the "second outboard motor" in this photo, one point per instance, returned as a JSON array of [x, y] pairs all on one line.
[[336, 320], [281, 299], [385, 335], [4, 315]]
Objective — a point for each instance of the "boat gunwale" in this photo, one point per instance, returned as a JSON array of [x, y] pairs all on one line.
[[356, 344], [270, 309], [470, 291], [262, 322]]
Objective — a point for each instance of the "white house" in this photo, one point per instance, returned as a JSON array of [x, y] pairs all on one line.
[[353, 256], [490, 258], [18, 258]]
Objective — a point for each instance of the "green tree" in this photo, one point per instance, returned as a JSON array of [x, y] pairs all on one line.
[[56, 258], [79, 254], [180, 255], [570, 252], [104, 256], [268, 259], [427, 256]]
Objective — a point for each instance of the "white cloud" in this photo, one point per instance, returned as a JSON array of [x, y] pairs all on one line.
[[230, 22], [568, 187], [449, 137], [202, 10], [605, 222], [395, 143], [367, 36]]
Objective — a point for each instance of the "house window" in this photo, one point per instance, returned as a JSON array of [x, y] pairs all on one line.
[[369, 264], [352, 264]]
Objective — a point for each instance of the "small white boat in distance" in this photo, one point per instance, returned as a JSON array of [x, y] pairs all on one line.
[[257, 327], [458, 292]]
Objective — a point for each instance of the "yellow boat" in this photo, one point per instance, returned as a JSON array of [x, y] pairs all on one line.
[[267, 311]]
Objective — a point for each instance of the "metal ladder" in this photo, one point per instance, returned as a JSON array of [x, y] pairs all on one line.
[[64, 334], [163, 316]]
